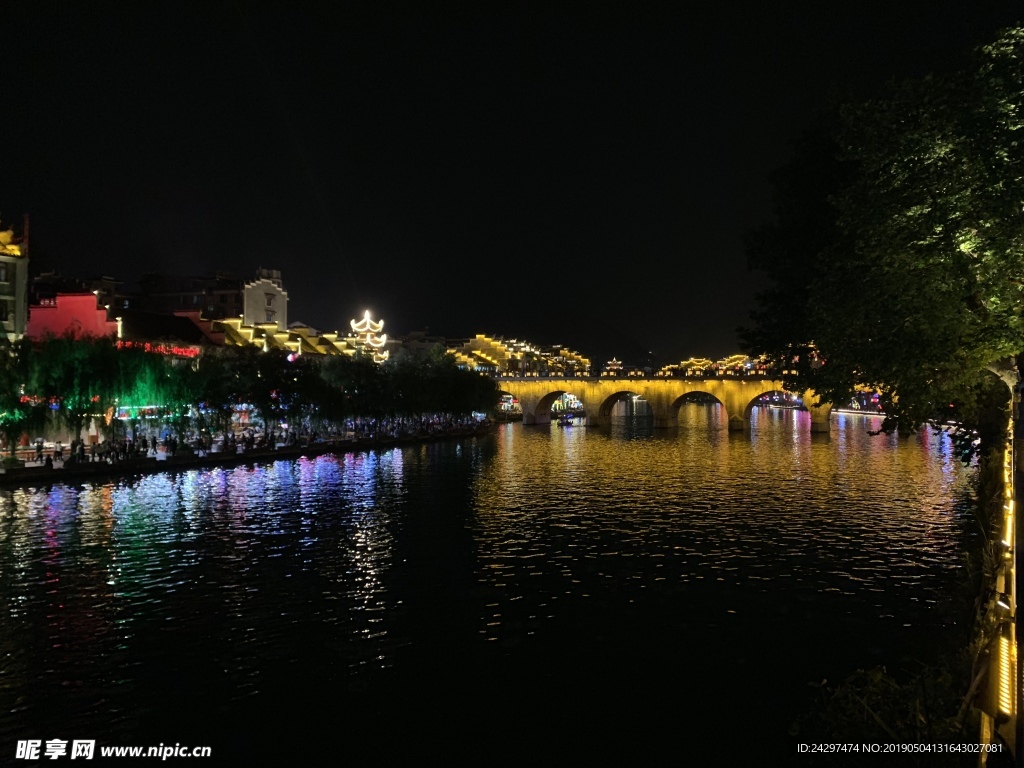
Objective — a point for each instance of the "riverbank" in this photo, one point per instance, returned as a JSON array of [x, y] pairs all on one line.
[[102, 470]]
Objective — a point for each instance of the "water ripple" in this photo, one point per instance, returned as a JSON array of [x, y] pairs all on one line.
[[533, 553]]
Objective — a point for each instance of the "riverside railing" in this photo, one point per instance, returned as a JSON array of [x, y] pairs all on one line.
[[999, 703]]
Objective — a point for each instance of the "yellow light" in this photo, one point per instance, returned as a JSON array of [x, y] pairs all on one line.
[[1006, 664]]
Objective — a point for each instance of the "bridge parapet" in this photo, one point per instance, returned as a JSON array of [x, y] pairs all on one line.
[[700, 376]]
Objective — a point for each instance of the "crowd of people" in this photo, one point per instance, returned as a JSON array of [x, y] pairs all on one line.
[[109, 451], [239, 440]]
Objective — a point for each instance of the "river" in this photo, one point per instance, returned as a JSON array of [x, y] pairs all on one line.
[[539, 592]]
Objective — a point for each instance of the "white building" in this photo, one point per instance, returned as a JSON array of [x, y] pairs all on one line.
[[265, 300], [13, 283]]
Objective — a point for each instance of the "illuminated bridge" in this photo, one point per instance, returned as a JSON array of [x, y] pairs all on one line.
[[738, 395]]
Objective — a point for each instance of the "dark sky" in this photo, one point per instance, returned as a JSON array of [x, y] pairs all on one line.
[[581, 178]]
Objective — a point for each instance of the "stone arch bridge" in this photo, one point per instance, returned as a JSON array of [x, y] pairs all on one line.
[[598, 395]]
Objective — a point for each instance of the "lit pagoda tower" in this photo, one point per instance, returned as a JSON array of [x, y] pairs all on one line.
[[368, 334], [613, 367]]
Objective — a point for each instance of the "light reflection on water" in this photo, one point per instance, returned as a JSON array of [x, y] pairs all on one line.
[[532, 557], [577, 514]]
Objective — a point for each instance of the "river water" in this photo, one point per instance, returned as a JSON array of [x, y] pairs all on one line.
[[537, 593]]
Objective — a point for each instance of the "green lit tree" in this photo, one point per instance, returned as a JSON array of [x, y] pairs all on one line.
[[898, 249], [139, 382], [18, 411], [77, 378]]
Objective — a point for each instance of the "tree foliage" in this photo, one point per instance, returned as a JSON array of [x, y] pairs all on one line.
[[17, 412], [76, 378], [73, 381], [897, 254], [430, 381]]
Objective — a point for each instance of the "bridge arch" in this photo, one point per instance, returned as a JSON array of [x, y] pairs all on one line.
[[755, 401], [700, 396], [603, 409], [819, 413], [537, 406]]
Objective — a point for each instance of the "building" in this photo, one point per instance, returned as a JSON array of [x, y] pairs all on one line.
[[13, 283], [733, 365], [264, 300], [512, 357], [174, 335], [298, 338], [79, 315], [69, 314], [181, 315], [612, 368], [47, 286], [217, 295]]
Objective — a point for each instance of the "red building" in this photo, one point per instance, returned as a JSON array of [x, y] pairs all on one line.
[[74, 314]]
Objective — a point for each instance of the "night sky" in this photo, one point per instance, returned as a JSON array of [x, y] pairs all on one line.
[[582, 178]]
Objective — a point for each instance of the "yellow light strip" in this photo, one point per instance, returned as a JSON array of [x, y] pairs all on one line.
[[1007, 661], [1006, 666]]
